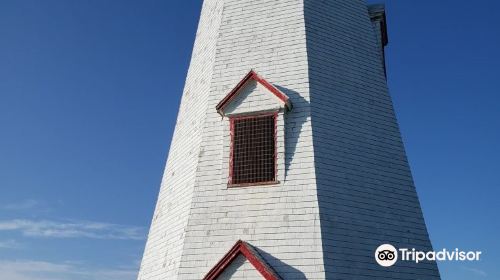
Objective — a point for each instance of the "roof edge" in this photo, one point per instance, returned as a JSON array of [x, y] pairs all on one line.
[[242, 247], [252, 75]]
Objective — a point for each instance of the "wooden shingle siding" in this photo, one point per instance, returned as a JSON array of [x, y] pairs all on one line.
[[166, 236], [281, 220], [345, 185], [366, 194]]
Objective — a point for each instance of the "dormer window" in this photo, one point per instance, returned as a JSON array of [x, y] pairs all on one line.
[[255, 111]]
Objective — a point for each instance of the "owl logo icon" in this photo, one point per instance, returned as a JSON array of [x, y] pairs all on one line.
[[386, 255]]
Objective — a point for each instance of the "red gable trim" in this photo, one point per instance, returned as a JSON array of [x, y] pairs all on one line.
[[252, 256], [252, 75]]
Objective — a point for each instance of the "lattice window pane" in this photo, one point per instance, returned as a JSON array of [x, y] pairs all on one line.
[[253, 150]]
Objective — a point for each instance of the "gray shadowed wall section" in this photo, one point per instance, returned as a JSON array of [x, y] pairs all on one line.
[[366, 193]]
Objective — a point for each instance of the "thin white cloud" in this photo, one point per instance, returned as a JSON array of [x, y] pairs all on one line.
[[42, 270], [22, 205], [78, 229], [9, 244], [476, 271]]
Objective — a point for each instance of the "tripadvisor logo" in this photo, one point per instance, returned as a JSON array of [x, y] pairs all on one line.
[[387, 255]]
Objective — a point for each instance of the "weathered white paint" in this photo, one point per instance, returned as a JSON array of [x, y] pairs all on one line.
[[281, 220], [240, 269], [166, 237], [253, 98], [345, 184]]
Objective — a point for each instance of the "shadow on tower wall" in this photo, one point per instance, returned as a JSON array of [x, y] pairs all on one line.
[[366, 194], [294, 121], [285, 271]]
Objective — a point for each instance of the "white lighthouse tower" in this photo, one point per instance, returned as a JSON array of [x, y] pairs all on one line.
[[286, 160]]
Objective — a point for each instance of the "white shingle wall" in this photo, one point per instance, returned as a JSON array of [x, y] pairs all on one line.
[[365, 190], [240, 269], [253, 97], [356, 178], [281, 221], [166, 237]]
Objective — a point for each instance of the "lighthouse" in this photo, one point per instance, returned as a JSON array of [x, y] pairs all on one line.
[[286, 160]]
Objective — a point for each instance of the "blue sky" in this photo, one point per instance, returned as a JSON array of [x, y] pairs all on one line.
[[89, 92]]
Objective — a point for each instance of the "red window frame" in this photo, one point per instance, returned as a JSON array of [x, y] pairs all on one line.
[[231, 153]]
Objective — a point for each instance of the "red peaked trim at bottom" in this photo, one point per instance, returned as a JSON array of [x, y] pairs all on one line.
[[241, 247]]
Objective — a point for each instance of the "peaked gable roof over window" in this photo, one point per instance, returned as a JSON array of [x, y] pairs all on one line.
[[252, 76], [245, 249]]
